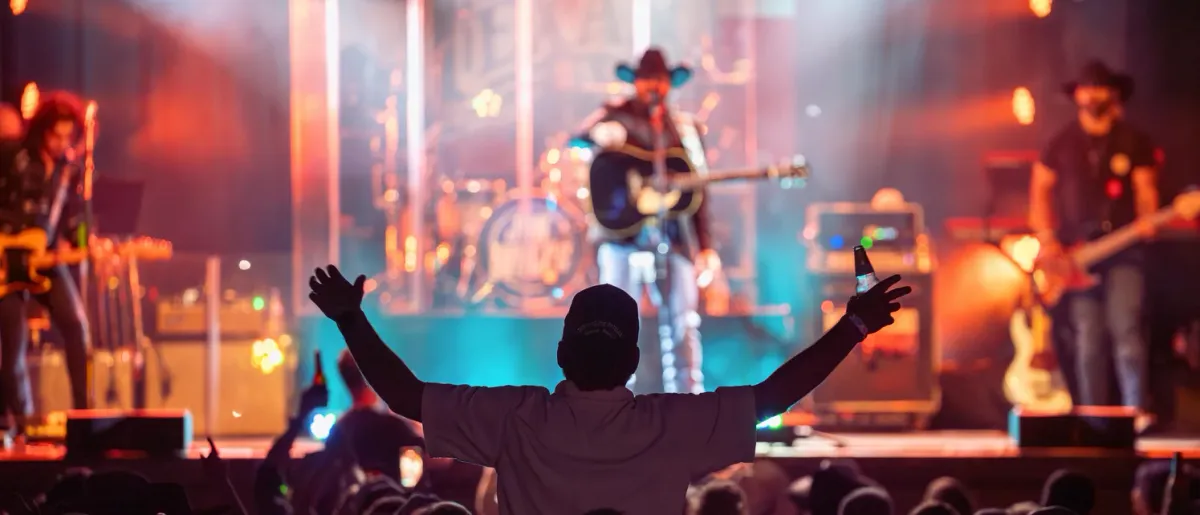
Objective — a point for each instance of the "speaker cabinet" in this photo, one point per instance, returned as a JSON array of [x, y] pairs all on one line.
[[890, 379], [112, 377]]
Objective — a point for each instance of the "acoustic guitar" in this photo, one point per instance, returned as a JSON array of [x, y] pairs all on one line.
[[1062, 273], [24, 254], [623, 195]]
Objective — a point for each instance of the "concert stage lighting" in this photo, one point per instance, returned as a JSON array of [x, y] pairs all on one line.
[[1023, 106]]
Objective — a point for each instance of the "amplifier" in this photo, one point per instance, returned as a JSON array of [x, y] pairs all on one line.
[[253, 393], [112, 377], [248, 316], [894, 237], [253, 390], [890, 380]]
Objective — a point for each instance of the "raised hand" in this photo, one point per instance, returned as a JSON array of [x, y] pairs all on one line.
[[314, 397], [333, 293], [875, 307]]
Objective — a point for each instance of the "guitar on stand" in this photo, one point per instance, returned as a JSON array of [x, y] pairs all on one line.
[[1034, 379]]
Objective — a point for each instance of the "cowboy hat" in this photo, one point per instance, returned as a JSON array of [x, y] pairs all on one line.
[[652, 63], [1096, 73]]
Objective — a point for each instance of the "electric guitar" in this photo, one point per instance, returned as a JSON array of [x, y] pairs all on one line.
[[1034, 380], [22, 255], [1058, 274], [623, 196]]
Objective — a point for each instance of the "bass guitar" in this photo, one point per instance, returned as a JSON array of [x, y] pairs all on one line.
[[24, 254], [1034, 380], [623, 195], [1061, 273]]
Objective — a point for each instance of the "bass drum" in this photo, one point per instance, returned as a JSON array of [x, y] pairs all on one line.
[[537, 261]]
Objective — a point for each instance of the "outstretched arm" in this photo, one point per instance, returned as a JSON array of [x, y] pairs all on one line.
[[384, 370], [865, 314], [800, 375]]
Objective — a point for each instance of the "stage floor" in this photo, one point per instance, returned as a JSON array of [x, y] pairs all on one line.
[[904, 463]]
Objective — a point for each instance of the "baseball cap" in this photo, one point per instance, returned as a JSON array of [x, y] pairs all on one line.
[[602, 313]]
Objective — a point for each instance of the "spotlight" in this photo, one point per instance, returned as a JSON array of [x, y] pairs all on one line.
[[1023, 106], [30, 96], [1041, 8]]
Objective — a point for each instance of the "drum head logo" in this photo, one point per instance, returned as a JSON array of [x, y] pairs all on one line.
[[532, 255], [1120, 164]]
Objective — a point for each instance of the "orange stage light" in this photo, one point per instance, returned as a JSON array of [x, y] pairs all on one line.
[[17, 6], [1041, 8], [29, 100], [1023, 106], [1023, 249]]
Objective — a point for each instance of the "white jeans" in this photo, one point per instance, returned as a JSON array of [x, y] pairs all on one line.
[[629, 269]]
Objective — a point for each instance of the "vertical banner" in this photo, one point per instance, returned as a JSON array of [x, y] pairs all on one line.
[[576, 49], [472, 89]]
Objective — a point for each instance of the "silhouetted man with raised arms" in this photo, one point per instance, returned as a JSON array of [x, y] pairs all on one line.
[[591, 443]]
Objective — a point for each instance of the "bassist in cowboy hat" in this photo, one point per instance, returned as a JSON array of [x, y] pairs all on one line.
[[628, 123], [1098, 174]]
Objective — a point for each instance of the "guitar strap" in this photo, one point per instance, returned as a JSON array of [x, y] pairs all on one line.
[[63, 179], [689, 138]]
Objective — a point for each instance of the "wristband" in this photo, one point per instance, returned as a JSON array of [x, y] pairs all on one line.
[[858, 324]]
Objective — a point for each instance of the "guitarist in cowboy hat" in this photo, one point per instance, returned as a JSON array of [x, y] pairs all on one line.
[[1098, 174], [628, 123]]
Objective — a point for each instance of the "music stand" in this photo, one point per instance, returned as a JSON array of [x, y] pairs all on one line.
[[116, 205], [1008, 175]]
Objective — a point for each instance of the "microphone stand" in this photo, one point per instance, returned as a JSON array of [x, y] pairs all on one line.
[[659, 241]]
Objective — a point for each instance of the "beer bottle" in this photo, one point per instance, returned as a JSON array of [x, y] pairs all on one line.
[[319, 372], [864, 273]]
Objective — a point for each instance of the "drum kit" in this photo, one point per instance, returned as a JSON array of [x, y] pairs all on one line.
[[497, 245]]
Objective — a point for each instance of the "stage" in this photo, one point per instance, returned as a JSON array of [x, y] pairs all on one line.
[[904, 463]]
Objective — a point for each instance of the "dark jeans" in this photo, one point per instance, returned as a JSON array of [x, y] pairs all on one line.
[[1109, 335], [68, 316]]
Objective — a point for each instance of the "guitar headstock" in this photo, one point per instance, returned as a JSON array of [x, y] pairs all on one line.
[[1187, 205], [795, 167]]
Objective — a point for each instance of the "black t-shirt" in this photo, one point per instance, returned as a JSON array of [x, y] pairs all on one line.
[[377, 438], [1094, 191]]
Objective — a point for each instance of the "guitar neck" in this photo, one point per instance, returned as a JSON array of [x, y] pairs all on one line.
[[1120, 239], [696, 182]]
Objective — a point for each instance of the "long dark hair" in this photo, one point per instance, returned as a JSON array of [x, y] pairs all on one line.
[[54, 107]]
